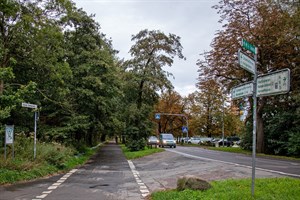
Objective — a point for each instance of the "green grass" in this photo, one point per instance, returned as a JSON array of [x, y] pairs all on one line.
[[230, 149], [138, 154], [242, 151], [51, 158], [265, 189]]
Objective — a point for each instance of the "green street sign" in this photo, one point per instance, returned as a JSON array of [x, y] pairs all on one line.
[[249, 46]]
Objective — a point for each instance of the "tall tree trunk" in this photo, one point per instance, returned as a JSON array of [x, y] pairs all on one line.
[[260, 126], [140, 100], [260, 134], [1, 86]]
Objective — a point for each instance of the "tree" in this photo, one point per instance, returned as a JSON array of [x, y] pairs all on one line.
[[210, 111], [171, 102], [258, 22], [54, 55], [95, 84], [151, 52]]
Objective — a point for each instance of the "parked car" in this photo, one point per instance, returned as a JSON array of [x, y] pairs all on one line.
[[233, 139], [152, 140], [194, 141], [207, 141], [167, 139], [184, 139], [226, 143]]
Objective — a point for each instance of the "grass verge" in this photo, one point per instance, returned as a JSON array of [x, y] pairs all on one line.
[[51, 159], [138, 154], [265, 189], [242, 151]]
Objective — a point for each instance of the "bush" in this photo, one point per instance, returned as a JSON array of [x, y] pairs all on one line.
[[46, 153], [136, 145]]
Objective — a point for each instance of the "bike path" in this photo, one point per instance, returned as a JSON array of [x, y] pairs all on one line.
[[106, 176]]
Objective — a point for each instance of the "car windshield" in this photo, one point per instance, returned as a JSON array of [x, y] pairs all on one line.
[[152, 138], [168, 137]]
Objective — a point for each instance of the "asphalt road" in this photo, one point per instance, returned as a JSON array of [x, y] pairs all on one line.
[[284, 167], [109, 176], [161, 171]]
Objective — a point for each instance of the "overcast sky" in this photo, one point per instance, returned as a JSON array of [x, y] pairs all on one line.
[[193, 20]]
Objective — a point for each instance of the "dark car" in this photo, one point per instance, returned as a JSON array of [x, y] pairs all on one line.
[[226, 143], [167, 139], [229, 141]]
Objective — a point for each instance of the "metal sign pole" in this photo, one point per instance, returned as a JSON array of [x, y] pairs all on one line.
[[254, 125], [35, 125], [33, 106], [5, 148], [187, 125]]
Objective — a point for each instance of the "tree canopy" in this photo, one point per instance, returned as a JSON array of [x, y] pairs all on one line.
[[273, 27]]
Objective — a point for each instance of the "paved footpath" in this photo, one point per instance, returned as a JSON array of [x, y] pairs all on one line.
[[107, 176]]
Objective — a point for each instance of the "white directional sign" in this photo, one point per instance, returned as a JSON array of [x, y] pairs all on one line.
[[274, 83], [29, 105], [241, 91], [246, 62]]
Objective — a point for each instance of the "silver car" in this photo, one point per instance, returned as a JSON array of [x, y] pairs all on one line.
[[167, 139]]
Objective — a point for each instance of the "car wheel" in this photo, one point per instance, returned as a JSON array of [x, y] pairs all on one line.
[[174, 147]]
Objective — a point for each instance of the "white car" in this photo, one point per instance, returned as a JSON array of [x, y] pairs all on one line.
[[194, 141]]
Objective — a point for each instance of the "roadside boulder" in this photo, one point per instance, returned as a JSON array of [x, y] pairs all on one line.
[[192, 183]]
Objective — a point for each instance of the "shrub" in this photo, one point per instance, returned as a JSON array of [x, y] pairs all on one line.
[[136, 145]]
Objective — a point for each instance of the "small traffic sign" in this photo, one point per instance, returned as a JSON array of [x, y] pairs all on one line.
[[273, 83], [246, 62], [241, 91], [249, 46], [29, 105], [157, 116], [184, 129], [9, 134]]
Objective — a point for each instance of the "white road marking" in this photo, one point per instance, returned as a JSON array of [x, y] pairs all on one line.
[[42, 196], [143, 188], [47, 192], [52, 187], [55, 185], [230, 163]]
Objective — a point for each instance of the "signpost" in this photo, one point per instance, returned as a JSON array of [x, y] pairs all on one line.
[[157, 116], [246, 62], [269, 84], [29, 105], [273, 83], [33, 106], [243, 90], [184, 129], [9, 139], [249, 46]]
